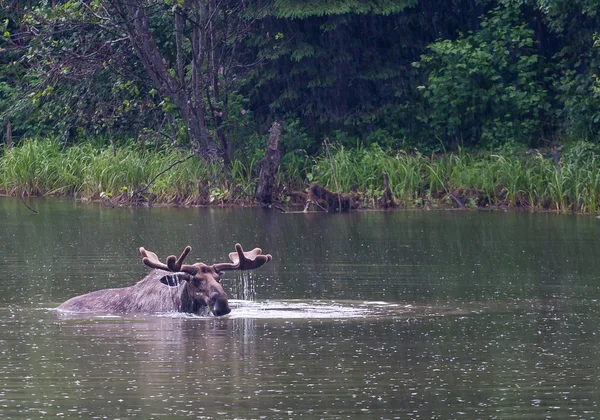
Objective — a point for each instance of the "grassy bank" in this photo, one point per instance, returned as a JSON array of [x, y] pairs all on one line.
[[569, 182]]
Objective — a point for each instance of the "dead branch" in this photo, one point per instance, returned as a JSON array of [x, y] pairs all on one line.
[[333, 203], [23, 200], [141, 190]]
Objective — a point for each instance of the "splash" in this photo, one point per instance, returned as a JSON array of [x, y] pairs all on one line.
[[302, 309], [299, 309]]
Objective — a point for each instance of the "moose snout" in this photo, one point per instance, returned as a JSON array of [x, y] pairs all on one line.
[[219, 305]]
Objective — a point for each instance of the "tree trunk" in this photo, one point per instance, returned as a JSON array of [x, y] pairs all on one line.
[[269, 166], [187, 95], [8, 141]]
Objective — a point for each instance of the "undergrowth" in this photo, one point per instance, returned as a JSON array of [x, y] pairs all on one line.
[[532, 180]]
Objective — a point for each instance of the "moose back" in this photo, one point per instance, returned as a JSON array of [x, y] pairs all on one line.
[[171, 287]]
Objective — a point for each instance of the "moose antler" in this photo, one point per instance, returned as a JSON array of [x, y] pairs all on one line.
[[173, 263], [240, 260], [244, 260]]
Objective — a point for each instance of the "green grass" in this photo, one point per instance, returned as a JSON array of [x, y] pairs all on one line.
[[41, 168], [526, 180]]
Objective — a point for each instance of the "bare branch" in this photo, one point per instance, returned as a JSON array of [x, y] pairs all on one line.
[[141, 190]]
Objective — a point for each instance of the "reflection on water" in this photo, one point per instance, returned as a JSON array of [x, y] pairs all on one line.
[[522, 359], [379, 315]]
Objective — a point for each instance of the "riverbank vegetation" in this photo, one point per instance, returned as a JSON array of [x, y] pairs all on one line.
[[528, 180], [465, 103]]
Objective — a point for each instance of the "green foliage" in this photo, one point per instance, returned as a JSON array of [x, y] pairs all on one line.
[[483, 89], [321, 74], [42, 167], [295, 169], [531, 181], [579, 94], [491, 75], [570, 183], [310, 8], [72, 76]]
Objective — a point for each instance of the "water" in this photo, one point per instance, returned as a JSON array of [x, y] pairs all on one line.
[[383, 315]]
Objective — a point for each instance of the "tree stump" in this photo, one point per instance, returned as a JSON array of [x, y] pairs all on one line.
[[331, 201], [269, 166], [387, 199]]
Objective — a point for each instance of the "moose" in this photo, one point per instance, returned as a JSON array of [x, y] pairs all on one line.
[[171, 287]]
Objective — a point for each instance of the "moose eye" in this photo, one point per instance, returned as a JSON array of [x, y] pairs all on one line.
[[170, 280]]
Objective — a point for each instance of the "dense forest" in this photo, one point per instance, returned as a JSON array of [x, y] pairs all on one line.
[[212, 76]]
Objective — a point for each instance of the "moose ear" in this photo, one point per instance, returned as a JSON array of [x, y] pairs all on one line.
[[173, 280]]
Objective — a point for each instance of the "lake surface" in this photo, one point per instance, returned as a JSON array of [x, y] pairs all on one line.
[[383, 315]]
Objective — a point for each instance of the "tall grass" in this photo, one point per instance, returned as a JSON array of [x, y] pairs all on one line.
[[530, 180], [40, 167]]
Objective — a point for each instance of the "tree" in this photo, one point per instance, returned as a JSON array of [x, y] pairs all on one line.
[[189, 51], [16, 111], [72, 73], [483, 89], [218, 73], [342, 69], [565, 31], [332, 63]]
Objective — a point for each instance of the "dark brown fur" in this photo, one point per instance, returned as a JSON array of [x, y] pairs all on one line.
[[152, 295], [171, 287]]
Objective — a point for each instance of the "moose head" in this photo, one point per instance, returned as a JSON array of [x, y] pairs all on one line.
[[203, 288], [171, 286]]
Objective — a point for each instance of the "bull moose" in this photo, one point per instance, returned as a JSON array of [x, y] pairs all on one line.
[[171, 287]]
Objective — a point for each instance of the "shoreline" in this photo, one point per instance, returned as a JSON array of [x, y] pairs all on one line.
[[367, 179], [296, 208]]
